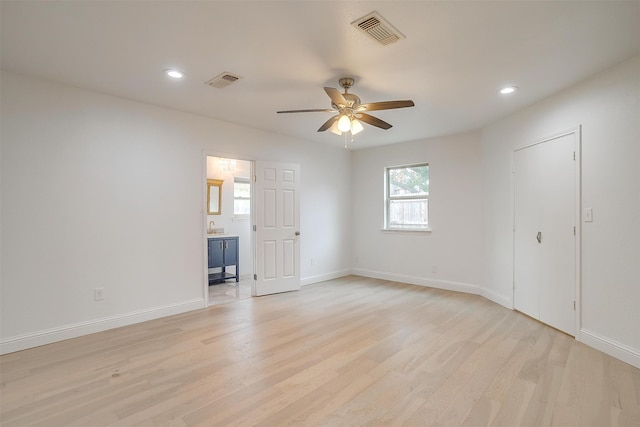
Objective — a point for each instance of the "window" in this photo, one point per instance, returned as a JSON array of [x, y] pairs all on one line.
[[407, 197], [241, 197]]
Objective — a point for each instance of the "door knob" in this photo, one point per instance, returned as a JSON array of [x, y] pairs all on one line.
[[297, 233], [539, 237]]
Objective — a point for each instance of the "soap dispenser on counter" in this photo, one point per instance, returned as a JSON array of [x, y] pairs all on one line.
[[211, 229]]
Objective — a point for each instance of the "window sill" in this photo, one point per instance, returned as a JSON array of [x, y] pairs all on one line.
[[417, 231]]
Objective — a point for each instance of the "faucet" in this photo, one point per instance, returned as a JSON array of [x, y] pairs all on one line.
[[211, 224]]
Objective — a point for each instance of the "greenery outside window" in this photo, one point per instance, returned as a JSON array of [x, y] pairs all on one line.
[[241, 197], [407, 197]]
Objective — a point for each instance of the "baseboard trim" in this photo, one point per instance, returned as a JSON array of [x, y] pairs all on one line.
[[48, 336], [610, 347], [440, 284], [420, 281], [323, 277], [496, 297]]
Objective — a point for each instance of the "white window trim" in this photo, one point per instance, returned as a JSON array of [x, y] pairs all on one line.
[[407, 231], [402, 230], [241, 217]]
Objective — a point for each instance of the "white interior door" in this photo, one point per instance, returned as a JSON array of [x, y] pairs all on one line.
[[544, 231], [277, 221]]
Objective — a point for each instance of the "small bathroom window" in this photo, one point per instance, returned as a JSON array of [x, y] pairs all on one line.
[[241, 197]]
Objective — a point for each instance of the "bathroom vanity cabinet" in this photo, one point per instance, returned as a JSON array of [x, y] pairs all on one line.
[[223, 252]]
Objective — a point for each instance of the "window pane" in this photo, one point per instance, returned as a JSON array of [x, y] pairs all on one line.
[[242, 196], [408, 213], [409, 181], [241, 189], [242, 207]]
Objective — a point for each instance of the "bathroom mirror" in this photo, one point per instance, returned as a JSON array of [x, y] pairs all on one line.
[[214, 196]]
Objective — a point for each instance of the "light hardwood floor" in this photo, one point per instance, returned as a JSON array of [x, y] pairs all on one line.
[[351, 351], [229, 291]]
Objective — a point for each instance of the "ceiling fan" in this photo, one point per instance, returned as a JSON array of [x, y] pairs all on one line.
[[350, 111]]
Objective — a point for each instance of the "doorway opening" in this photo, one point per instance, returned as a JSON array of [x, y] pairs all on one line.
[[229, 255]]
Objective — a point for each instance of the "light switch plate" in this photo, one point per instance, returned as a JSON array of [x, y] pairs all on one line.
[[588, 214]]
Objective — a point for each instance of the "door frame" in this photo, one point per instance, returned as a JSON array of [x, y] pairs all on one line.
[[577, 131], [203, 214]]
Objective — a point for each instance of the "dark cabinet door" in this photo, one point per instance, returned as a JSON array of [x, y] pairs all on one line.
[[216, 253], [230, 252]]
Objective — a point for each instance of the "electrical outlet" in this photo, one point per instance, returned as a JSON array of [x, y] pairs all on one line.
[[311, 261], [98, 294], [434, 269]]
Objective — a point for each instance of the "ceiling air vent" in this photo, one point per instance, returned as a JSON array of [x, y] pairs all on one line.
[[376, 27], [223, 80]]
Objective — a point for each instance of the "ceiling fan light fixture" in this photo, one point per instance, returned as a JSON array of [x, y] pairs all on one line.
[[344, 124], [356, 127], [334, 129]]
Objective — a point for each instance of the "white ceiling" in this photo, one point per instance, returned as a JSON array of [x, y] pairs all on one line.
[[454, 57]]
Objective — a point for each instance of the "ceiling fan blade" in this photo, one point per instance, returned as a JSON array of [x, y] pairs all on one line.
[[315, 110], [336, 96], [328, 123], [385, 105], [374, 121]]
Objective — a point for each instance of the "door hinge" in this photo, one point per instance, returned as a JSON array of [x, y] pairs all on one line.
[[255, 277], [574, 156], [254, 178], [254, 228], [574, 230], [574, 306]]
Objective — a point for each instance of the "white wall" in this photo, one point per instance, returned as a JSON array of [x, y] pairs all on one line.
[[99, 191], [453, 246], [608, 108]]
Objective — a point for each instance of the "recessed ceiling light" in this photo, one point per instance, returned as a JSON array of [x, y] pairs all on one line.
[[508, 89], [174, 74]]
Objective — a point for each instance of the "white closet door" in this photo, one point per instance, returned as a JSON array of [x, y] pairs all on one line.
[[544, 239]]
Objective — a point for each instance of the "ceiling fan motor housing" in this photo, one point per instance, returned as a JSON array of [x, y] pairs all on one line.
[[346, 82], [352, 99]]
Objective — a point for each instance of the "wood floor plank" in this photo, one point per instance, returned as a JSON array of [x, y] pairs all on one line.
[[571, 393], [485, 360], [486, 408], [596, 405], [625, 402], [512, 410], [369, 405], [350, 351]]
